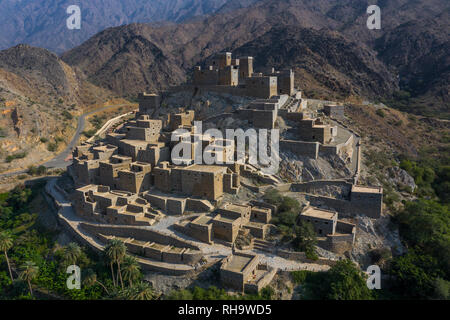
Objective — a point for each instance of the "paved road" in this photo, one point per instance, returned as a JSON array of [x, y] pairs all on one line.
[[59, 161]]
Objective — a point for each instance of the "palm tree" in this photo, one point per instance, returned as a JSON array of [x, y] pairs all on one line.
[[6, 243], [29, 271], [115, 251], [142, 291], [72, 253], [131, 269], [90, 279], [108, 259]]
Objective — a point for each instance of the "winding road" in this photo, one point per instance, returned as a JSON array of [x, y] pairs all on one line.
[[60, 161]]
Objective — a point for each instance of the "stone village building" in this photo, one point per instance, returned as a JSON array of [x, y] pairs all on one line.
[[129, 178]]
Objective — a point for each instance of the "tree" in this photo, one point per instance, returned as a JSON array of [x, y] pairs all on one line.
[[305, 239], [72, 252], [90, 279], [347, 282], [131, 269], [142, 291], [441, 289], [6, 243], [415, 275], [115, 251], [344, 281], [28, 272], [425, 225]]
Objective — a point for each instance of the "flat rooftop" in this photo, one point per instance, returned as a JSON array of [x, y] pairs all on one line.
[[367, 189], [319, 213], [203, 220], [234, 207], [140, 143], [205, 168], [224, 219], [238, 263]]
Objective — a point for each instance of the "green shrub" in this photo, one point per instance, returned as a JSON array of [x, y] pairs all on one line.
[[2, 133], [13, 157], [380, 113], [52, 147], [89, 133], [37, 171], [67, 115]]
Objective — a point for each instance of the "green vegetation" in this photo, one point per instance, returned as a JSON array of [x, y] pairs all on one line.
[[43, 140], [52, 146], [302, 237], [405, 100], [305, 239], [344, 281], [432, 178], [380, 113], [37, 171], [97, 122], [13, 157], [89, 133], [287, 213], [213, 293], [2, 133], [424, 225], [67, 115], [38, 264]]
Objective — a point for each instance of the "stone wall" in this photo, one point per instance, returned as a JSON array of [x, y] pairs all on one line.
[[345, 207], [138, 234], [301, 148], [301, 257], [317, 185]]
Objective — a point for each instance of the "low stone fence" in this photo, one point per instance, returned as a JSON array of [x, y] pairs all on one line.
[[65, 224], [301, 257], [161, 253], [138, 234]]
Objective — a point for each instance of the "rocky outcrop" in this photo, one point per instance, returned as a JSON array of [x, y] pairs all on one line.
[[400, 178]]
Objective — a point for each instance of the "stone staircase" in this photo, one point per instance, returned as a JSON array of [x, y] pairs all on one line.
[[263, 245]]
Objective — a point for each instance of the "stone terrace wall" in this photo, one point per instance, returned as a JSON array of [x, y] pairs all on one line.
[[343, 207], [312, 186], [338, 243], [138, 234], [301, 257], [301, 148]]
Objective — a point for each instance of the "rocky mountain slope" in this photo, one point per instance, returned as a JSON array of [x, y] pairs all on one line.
[[322, 60], [40, 97], [43, 23], [328, 44]]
